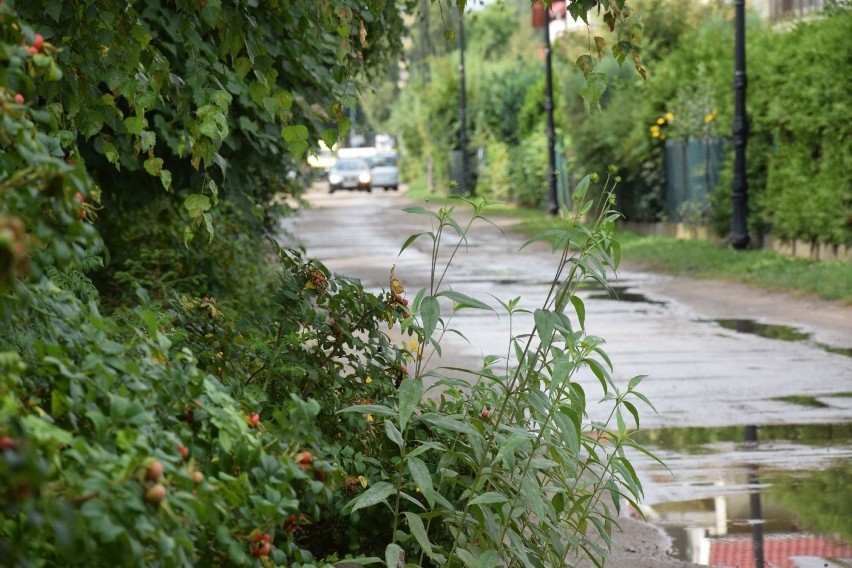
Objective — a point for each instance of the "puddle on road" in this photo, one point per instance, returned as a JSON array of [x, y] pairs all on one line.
[[620, 293], [696, 439], [761, 511], [782, 332]]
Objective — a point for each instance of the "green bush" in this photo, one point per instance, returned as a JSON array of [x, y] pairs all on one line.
[[797, 100], [243, 406]]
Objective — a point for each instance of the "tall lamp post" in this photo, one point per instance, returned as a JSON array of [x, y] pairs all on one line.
[[739, 186], [541, 18], [553, 205]]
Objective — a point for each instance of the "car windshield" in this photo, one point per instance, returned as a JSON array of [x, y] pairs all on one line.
[[351, 165], [379, 161]]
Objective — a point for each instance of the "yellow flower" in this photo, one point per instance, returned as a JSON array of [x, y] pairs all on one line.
[[368, 380], [655, 131], [310, 285], [363, 481], [370, 418], [396, 285], [661, 121], [669, 116], [709, 118]]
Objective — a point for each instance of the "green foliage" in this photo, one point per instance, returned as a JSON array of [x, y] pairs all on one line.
[[506, 86], [162, 405], [808, 193]]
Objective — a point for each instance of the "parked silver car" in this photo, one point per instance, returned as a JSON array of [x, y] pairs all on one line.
[[384, 170], [350, 173]]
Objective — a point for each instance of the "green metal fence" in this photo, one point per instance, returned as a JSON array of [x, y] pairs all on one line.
[[692, 172]]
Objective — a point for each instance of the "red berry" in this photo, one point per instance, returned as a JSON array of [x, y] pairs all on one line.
[[79, 197], [484, 413], [306, 457], [184, 451], [33, 50], [7, 443], [253, 419], [38, 41], [19, 98], [261, 550]]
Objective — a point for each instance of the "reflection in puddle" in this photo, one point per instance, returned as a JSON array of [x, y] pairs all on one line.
[[621, 294], [764, 517], [688, 440], [782, 332], [809, 401]]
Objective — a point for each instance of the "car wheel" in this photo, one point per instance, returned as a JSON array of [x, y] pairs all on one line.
[[331, 190], [395, 188]]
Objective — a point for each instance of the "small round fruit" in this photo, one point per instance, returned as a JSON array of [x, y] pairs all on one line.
[[155, 471], [183, 451], [197, 476], [38, 41], [261, 550], [19, 98], [156, 494], [484, 413]]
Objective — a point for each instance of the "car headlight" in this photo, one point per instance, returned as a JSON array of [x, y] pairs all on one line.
[[334, 178], [364, 177]]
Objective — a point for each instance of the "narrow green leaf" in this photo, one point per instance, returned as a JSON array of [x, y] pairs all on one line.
[[415, 523], [544, 324], [376, 409], [488, 559], [634, 382], [422, 477], [417, 210], [580, 308], [394, 556], [393, 433], [465, 301], [600, 373], [449, 423], [489, 498], [430, 312], [375, 494], [166, 178], [632, 409], [410, 240], [410, 393]]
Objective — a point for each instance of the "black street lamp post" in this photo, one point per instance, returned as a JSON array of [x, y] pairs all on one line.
[[551, 130], [739, 186]]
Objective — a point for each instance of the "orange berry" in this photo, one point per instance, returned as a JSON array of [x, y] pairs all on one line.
[[156, 494], [155, 471]]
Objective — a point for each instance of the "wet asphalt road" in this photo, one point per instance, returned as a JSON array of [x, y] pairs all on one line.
[[700, 373]]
